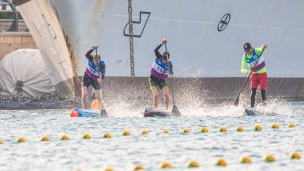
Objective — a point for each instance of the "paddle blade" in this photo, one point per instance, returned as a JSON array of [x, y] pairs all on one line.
[[103, 113], [236, 103], [95, 105], [175, 111]]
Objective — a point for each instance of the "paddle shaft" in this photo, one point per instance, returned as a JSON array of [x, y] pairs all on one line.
[[170, 81], [238, 96], [99, 75], [98, 67]]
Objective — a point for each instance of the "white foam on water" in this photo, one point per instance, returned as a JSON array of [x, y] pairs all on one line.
[[277, 107], [213, 110], [273, 107]]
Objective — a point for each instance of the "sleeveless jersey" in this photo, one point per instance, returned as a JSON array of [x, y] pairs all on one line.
[[252, 61], [91, 70], [159, 69]]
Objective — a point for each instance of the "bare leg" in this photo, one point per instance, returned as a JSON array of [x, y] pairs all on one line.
[[84, 97], [166, 97], [155, 98], [101, 103]]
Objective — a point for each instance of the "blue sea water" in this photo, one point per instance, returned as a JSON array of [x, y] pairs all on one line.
[[121, 153]]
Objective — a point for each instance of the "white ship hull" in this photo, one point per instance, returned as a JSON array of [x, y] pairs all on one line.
[[197, 47], [205, 37]]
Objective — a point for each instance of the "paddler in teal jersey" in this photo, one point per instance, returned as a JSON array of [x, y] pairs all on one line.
[[161, 69], [258, 75]]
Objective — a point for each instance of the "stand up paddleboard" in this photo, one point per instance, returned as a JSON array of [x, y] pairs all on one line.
[[153, 112], [251, 112], [88, 113]]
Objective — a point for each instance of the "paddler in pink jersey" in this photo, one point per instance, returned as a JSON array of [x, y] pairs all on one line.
[[258, 76], [93, 75], [161, 69]]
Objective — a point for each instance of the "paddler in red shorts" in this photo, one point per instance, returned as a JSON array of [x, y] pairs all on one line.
[[258, 76]]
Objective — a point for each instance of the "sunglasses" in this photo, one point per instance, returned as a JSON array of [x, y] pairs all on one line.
[[165, 58]]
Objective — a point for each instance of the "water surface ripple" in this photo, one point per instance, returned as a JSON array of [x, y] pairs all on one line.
[[123, 152]]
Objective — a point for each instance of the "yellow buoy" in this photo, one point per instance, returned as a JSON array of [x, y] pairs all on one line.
[[86, 136], [294, 155], [125, 133], [64, 137], [220, 162], [20, 140], [165, 165], [106, 135], [192, 163], [186, 130], [108, 169], [239, 129], [257, 127], [291, 125], [204, 130], [269, 158], [144, 132], [222, 129], [1, 142], [138, 167], [274, 126], [44, 138], [165, 131], [245, 159]]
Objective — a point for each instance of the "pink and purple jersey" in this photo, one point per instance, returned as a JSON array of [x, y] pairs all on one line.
[[92, 70], [159, 69]]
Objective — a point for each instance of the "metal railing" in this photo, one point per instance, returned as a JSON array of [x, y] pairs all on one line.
[[14, 26]]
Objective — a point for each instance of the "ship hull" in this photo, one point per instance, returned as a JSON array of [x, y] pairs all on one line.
[[205, 41]]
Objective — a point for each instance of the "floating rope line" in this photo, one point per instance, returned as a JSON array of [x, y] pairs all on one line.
[[222, 163], [144, 132]]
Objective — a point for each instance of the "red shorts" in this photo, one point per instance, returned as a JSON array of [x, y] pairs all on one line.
[[258, 79]]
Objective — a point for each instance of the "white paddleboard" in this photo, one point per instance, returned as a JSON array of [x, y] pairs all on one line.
[[251, 112]]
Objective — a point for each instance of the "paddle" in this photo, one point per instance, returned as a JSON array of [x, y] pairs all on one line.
[[175, 111], [236, 103], [103, 111]]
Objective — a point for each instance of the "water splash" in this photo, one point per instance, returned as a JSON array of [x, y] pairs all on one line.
[[273, 107], [276, 107]]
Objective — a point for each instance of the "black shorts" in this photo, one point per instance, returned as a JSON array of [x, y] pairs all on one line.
[[87, 81], [154, 82]]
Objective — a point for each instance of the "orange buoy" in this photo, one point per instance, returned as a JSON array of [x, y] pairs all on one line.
[[74, 113], [95, 105]]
